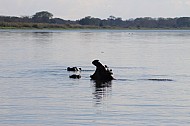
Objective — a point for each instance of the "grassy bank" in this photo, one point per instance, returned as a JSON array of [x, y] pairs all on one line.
[[21, 25]]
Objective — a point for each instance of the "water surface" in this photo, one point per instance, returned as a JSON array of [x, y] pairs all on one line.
[[151, 68]]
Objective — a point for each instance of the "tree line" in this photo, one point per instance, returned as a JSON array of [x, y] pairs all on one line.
[[145, 22]]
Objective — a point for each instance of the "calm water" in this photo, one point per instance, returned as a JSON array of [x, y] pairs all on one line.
[[152, 69]]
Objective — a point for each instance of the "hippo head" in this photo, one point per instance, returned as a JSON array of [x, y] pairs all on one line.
[[96, 63]]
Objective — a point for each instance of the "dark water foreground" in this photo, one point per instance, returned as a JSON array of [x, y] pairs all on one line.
[[151, 68]]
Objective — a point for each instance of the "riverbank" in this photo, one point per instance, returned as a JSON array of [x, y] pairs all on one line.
[[20, 25]]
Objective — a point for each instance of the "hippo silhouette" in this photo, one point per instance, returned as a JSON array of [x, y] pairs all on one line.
[[73, 69], [74, 76], [102, 73]]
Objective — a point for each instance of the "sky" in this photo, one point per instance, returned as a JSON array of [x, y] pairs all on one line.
[[77, 9]]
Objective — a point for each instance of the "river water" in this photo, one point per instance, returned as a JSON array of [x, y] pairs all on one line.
[[152, 71]]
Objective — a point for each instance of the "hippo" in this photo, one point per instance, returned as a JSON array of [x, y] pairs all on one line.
[[74, 76], [102, 73], [73, 69]]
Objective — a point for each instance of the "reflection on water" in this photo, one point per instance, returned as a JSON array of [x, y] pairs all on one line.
[[42, 37], [102, 90]]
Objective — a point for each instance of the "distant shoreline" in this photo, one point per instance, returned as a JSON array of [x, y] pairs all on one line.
[[88, 28], [45, 20], [46, 26]]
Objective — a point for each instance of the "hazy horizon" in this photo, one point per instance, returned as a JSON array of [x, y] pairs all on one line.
[[77, 9]]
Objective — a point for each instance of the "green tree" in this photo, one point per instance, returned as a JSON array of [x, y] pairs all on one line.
[[43, 16], [90, 21], [183, 22], [111, 17]]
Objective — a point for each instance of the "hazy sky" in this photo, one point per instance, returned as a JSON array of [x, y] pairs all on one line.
[[77, 9]]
